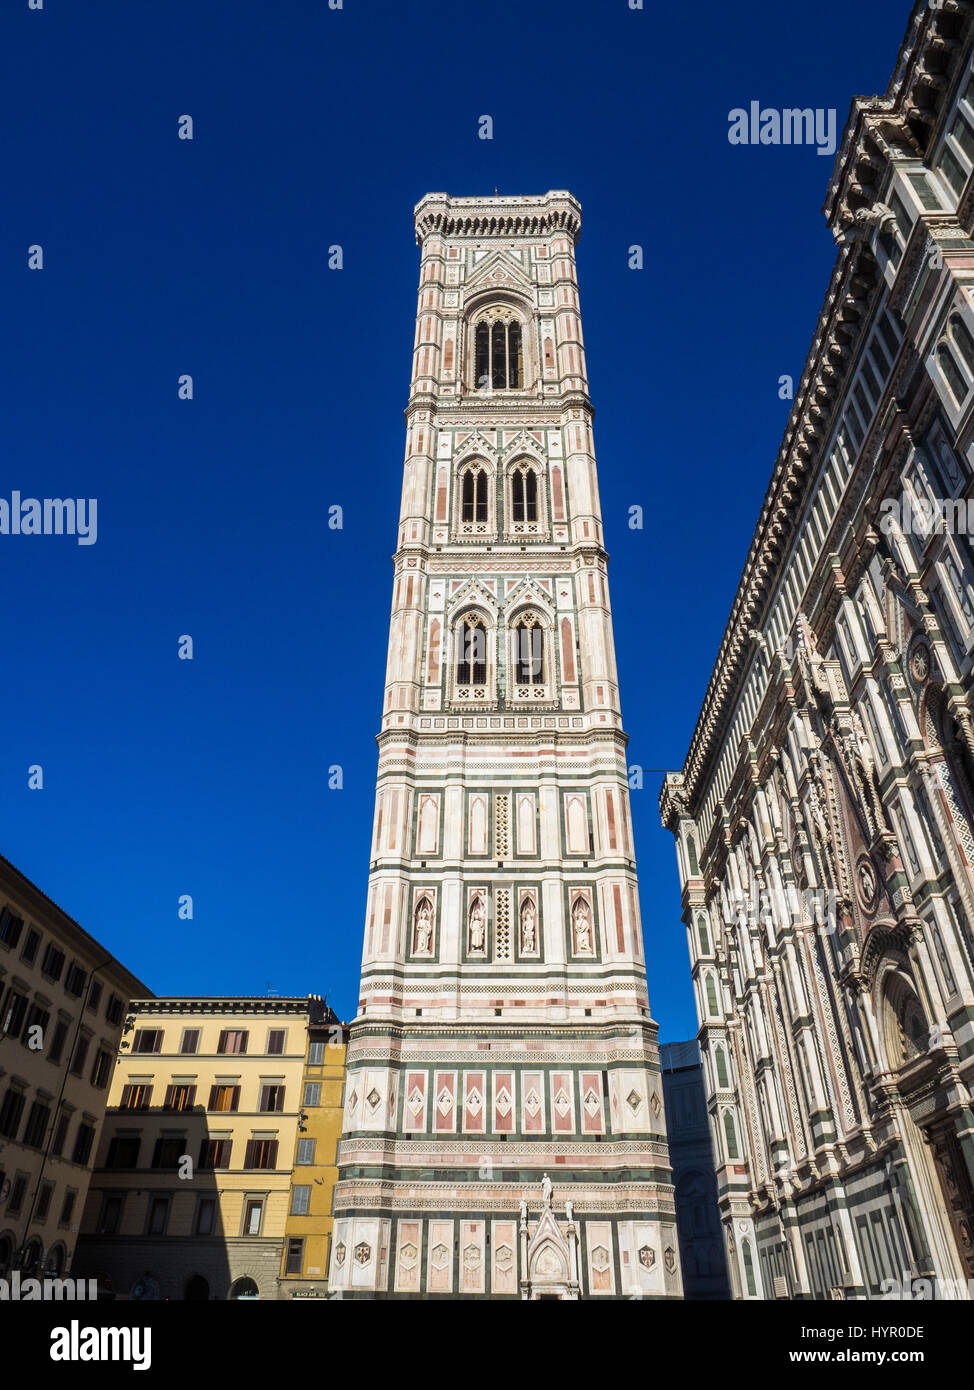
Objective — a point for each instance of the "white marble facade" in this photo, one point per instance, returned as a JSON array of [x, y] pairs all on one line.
[[503, 1017]]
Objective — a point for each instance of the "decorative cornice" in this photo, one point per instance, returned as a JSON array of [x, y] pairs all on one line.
[[880, 130], [443, 215], [904, 123], [222, 1004]]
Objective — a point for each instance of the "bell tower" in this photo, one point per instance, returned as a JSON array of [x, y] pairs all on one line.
[[503, 1030]]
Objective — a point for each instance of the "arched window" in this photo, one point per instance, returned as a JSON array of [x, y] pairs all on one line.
[[498, 354], [961, 337], [692, 854], [704, 936], [952, 374], [54, 1261], [524, 493], [722, 1077], [529, 650], [730, 1134], [471, 652], [711, 995], [473, 497]]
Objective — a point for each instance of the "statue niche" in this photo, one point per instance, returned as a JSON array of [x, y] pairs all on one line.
[[529, 928], [423, 928], [477, 928], [582, 928]]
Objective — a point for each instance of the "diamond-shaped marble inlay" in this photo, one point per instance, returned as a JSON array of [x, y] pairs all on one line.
[[353, 1100], [532, 1102], [363, 1252], [415, 1100], [600, 1258], [504, 1258], [503, 1101], [634, 1101], [475, 1101], [407, 1256], [562, 1102], [373, 1098], [654, 1104], [440, 1257], [340, 1253], [592, 1103], [444, 1102]]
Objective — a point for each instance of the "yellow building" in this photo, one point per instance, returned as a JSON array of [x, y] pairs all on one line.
[[62, 1005], [192, 1190], [307, 1235]]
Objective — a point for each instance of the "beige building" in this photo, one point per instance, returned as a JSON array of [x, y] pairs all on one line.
[[310, 1221], [62, 1006], [191, 1193]]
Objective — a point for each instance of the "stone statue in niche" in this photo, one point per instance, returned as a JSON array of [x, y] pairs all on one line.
[[582, 924], [529, 930], [867, 884], [546, 1190], [478, 928], [424, 929]]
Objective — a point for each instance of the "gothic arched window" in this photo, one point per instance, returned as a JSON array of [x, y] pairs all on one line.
[[498, 354], [960, 336], [529, 650], [952, 373], [473, 495], [524, 493], [730, 1135], [471, 663], [704, 936], [722, 1077]]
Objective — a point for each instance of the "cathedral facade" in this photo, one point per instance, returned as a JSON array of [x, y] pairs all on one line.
[[504, 1131], [824, 817]]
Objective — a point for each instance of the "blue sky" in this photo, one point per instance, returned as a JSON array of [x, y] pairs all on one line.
[[162, 256]]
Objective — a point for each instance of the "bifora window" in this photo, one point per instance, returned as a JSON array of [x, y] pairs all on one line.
[[498, 354], [471, 652], [529, 650], [473, 495], [524, 494]]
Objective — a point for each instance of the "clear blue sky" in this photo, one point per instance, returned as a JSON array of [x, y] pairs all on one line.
[[163, 257]]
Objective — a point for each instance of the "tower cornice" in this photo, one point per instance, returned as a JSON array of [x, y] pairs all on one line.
[[543, 215]]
